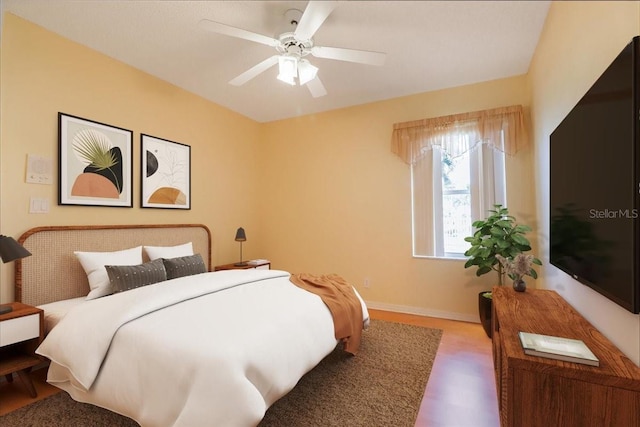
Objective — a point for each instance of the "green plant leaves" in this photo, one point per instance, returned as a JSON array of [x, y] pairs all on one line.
[[504, 223], [522, 228], [498, 234], [503, 244], [484, 253], [497, 231], [520, 239], [483, 270]]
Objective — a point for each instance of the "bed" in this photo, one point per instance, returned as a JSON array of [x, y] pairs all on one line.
[[214, 348]]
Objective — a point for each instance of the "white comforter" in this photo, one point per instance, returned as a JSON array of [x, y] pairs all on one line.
[[215, 349]]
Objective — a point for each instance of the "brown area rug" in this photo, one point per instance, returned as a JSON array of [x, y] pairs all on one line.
[[382, 386]]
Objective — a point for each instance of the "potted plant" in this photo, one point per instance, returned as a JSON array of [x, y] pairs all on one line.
[[496, 236]]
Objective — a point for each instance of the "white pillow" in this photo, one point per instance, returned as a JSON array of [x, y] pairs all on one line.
[[155, 252], [93, 264]]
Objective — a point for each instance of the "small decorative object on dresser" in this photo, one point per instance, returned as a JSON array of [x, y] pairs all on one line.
[[518, 267], [21, 331], [558, 348]]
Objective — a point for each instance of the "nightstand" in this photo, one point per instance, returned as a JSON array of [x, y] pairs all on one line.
[[260, 265], [21, 331]]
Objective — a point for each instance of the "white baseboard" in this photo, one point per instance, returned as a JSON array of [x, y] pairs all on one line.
[[423, 312]]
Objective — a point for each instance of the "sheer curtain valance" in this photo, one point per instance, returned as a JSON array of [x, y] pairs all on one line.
[[501, 128]]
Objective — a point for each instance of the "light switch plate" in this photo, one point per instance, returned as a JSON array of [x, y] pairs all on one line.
[[38, 205]]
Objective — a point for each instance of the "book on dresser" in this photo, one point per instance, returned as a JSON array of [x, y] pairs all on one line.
[[566, 349]]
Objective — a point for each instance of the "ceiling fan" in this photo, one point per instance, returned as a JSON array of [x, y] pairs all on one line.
[[294, 45]]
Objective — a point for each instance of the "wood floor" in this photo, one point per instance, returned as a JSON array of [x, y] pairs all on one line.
[[460, 393]]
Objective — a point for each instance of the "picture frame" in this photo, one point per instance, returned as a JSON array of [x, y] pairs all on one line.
[[95, 163], [165, 173]]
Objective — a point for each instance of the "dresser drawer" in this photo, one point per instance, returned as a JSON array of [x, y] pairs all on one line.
[[19, 329]]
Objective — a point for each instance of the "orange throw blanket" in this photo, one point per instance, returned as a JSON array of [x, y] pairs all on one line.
[[343, 304]]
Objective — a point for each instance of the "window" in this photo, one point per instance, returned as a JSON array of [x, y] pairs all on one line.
[[453, 214], [457, 172], [450, 191]]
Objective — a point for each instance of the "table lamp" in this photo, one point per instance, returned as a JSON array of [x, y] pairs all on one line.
[[10, 250], [240, 237]]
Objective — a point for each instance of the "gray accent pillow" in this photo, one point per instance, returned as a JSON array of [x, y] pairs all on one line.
[[184, 266], [127, 277]]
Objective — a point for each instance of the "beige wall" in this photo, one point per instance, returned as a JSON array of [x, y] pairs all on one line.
[[579, 41], [43, 74], [321, 193], [335, 199]]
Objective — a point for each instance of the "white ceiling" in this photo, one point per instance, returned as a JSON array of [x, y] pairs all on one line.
[[430, 45]]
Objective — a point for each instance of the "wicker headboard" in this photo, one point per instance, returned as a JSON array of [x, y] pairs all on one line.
[[53, 272]]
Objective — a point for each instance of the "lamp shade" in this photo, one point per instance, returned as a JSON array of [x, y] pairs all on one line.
[[306, 71], [240, 236], [10, 250], [287, 69]]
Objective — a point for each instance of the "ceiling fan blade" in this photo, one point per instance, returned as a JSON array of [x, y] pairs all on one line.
[[254, 71], [351, 55], [316, 88], [313, 16], [228, 30]]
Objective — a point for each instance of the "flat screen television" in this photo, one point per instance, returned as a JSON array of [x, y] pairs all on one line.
[[595, 185]]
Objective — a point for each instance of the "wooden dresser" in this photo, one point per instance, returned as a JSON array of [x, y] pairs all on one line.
[[535, 391]]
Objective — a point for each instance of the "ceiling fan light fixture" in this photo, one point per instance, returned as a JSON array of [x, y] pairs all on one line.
[[306, 71], [287, 79], [292, 45], [287, 69]]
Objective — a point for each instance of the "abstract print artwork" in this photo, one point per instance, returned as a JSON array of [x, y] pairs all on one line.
[[165, 173], [95, 163]]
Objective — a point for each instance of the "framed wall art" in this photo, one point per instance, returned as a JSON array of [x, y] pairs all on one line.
[[95, 163], [165, 173]]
